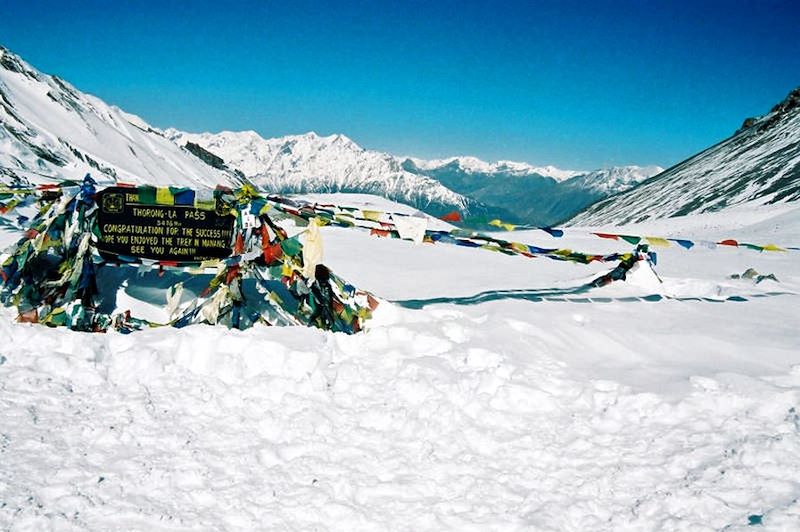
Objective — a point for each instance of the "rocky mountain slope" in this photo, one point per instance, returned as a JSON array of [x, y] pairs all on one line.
[[759, 164], [51, 131]]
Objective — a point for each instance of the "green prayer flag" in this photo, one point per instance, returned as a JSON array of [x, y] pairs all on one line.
[[631, 239], [291, 246], [147, 195]]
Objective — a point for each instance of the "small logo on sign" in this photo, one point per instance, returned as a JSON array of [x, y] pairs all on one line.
[[113, 203]]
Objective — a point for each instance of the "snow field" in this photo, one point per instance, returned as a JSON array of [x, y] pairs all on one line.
[[600, 411], [424, 424]]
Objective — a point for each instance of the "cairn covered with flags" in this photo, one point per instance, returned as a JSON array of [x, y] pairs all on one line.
[[220, 253]]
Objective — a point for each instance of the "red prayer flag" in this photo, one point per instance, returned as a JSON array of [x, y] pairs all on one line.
[[729, 242], [238, 247], [606, 235], [272, 253], [451, 217], [231, 275], [372, 302]]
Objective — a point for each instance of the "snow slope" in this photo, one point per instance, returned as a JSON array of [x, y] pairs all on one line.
[[759, 165], [51, 131], [482, 399]]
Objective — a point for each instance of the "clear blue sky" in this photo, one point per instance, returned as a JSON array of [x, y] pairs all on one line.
[[575, 84]]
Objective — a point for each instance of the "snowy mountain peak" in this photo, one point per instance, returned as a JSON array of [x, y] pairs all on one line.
[[312, 163], [335, 163], [617, 178], [474, 165]]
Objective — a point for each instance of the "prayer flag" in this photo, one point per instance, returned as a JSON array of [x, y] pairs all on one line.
[[451, 217], [657, 241], [688, 244]]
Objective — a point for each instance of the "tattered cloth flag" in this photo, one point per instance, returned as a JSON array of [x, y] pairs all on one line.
[[312, 249], [411, 228], [453, 216]]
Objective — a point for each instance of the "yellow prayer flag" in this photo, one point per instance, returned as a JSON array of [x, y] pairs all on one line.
[[375, 216], [503, 225], [164, 196], [657, 241], [772, 247]]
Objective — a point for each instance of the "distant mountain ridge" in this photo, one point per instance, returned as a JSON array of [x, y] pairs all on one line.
[[473, 165], [759, 164], [297, 164], [536, 198], [514, 191]]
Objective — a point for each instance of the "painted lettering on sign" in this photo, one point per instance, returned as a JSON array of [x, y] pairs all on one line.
[[180, 233]]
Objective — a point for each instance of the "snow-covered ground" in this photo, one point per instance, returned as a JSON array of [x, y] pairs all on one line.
[[481, 399]]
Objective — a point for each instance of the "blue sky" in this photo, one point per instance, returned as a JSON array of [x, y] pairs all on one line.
[[575, 84]]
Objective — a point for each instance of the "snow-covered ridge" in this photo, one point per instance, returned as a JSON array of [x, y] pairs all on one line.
[[49, 130], [607, 181], [759, 164], [312, 163], [475, 166]]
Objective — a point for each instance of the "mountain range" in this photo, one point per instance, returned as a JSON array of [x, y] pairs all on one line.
[[49, 130], [517, 192]]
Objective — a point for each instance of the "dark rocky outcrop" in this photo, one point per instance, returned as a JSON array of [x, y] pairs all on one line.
[[206, 156]]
